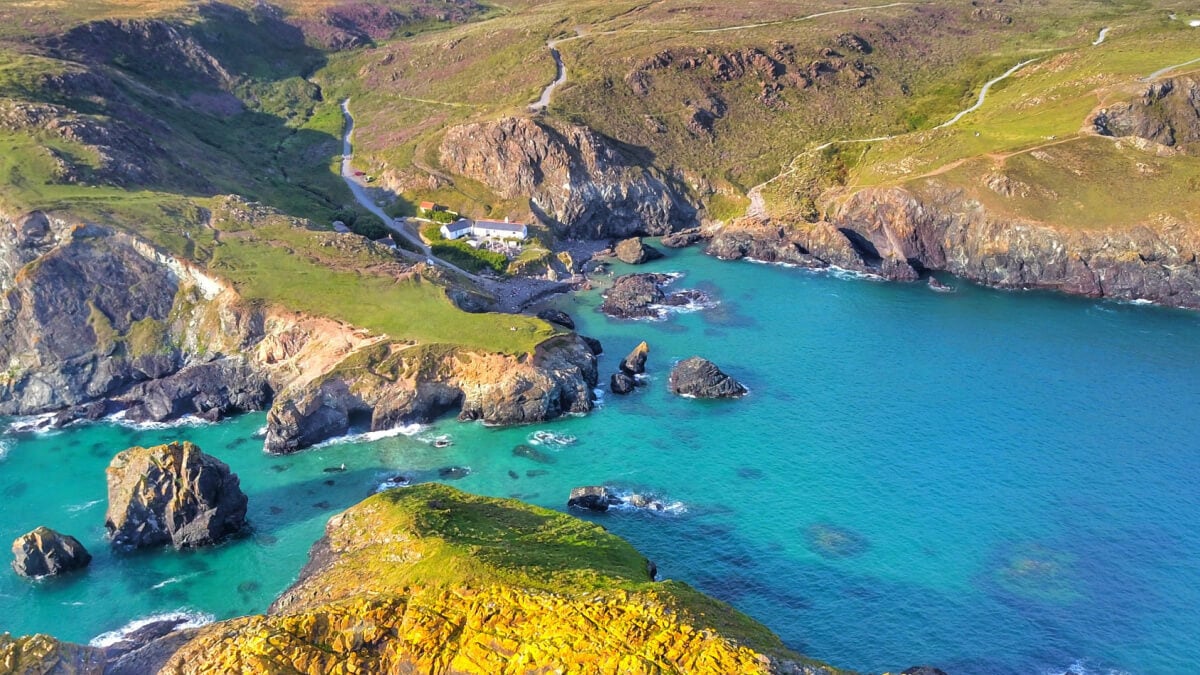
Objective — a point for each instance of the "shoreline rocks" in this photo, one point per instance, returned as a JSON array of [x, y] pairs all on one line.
[[172, 494], [592, 498], [634, 251], [622, 384], [643, 296], [700, 378], [44, 552]]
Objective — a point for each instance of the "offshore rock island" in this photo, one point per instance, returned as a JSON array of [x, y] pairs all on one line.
[[351, 220]]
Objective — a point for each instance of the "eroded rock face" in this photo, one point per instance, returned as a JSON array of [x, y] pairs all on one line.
[[701, 378], [557, 316], [1168, 113], [634, 251], [44, 552], [635, 362], [683, 238], [403, 387], [578, 181], [172, 494]]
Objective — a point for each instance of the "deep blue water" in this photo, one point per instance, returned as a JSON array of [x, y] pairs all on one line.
[[990, 482]]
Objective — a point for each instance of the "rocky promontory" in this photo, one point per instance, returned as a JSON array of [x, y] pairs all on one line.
[[172, 494], [701, 378], [44, 552], [431, 579]]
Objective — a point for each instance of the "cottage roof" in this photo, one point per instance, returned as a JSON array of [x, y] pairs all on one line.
[[499, 225]]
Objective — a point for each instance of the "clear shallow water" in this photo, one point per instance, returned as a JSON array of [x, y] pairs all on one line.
[[990, 482]]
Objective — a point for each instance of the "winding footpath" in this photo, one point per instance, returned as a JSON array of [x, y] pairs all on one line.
[[758, 207], [364, 199]]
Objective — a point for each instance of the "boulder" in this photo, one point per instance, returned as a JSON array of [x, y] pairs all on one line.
[[622, 384], [923, 670], [172, 494], [635, 363], [939, 286], [633, 296], [701, 378], [592, 498], [634, 251], [44, 552], [593, 345], [557, 317]]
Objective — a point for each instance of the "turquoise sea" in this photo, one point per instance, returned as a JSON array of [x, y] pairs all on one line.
[[987, 481]]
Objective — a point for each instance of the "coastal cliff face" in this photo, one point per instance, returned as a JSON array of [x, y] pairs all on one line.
[[579, 181], [94, 321], [430, 579], [897, 233]]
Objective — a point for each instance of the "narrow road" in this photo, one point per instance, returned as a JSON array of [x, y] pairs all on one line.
[[1163, 71], [1100, 38], [360, 194], [559, 80]]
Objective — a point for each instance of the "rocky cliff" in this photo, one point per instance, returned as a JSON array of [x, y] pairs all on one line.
[[580, 182], [971, 224], [94, 320], [898, 233], [432, 580]]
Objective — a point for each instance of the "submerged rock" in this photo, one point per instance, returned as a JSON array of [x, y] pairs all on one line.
[[172, 494], [701, 378], [835, 542], [622, 384], [532, 453], [634, 251], [635, 363], [593, 498], [44, 552]]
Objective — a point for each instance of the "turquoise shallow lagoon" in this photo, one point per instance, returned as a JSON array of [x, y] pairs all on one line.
[[991, 482]]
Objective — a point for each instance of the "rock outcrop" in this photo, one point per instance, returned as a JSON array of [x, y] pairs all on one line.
[[592, 498], [621, 384], [643, 296], [391, 385], [44, 552], [701, 378], [634, 251], [172, 494], [683, 238], [557, 316], [1167, 113], [576, 180], [635, 362]]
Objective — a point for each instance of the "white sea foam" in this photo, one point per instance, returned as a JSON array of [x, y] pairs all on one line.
[[83, 507], [261, 432], [550, 438], [32, 424], [832, 270], [173, 580], [1081, 667], [186, 619], [367, 437], [4, 448], [397, 481], [185, 421], [654, 504]]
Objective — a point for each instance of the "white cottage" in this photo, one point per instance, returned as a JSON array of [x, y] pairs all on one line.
[[459, 228], [500, 229]]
